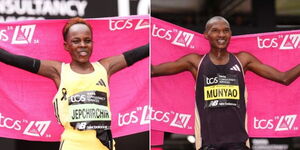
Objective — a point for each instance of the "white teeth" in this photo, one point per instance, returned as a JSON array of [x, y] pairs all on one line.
[[221, 41], [83, 53]]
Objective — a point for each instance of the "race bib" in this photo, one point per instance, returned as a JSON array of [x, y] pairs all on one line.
[[221, 90], [89, 111]]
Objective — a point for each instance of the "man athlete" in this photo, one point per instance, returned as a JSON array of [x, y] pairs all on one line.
[[222, 116]]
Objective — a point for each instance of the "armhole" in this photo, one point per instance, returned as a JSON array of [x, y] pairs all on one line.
[[246, 100], [197, 129], [62, 74], [246, 117], [197, 126], [245, 93], [98, 63], [100, 66], [98, 69], [198, 70], [240, 65]]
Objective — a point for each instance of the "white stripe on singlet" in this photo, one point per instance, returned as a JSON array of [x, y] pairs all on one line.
[[197, 117]]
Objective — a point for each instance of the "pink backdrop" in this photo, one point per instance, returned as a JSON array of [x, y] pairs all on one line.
[[26, 110], [272, 108]]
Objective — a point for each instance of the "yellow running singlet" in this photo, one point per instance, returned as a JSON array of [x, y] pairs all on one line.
[[82, 107]]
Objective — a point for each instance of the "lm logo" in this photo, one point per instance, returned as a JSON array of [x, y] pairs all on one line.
[[290, 42], [286, 123], [180, 120], [142, 24], [37, 128], [183, 39], [23, 34]]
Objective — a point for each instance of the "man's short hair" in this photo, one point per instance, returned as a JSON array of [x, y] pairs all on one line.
[[213, 19]]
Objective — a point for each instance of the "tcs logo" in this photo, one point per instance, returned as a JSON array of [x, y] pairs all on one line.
[[284, 42], [120, 24], [267, 42], [263, 123], [278, 123], [115, 25], [181, 38], [212, 80], [3, 35], [161, 33]]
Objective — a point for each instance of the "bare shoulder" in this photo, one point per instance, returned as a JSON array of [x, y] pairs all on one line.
[[193, 58], [244, 56], [104, 62], [113, 62], [54, 64], [50, 68]]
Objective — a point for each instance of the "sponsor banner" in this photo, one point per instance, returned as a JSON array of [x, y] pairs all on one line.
[[173, 93], [34, 128], [272, 108], [27, 111]]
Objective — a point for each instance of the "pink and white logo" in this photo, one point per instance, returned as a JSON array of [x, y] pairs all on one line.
[[286, 123], [37, 128], [183, 39], [23, 34], [142, 24], [284, 42], [278, 123], [120, 24], [144, 115], [128, 24], [161, 33], [290, 42], [139, 115], [3, 35], [180, 120]]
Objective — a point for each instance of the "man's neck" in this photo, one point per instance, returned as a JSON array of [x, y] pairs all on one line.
[[219, 56]]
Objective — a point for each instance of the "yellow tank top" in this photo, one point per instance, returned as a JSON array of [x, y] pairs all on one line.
[[82, 100]]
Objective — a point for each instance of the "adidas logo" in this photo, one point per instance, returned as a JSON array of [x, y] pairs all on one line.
[[101, 83], [235, 68]]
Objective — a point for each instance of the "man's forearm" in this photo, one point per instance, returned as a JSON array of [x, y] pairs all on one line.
[[292, 75]]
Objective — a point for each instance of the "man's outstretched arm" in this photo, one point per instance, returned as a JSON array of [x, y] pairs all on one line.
[[269, 72], [186, 63]]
